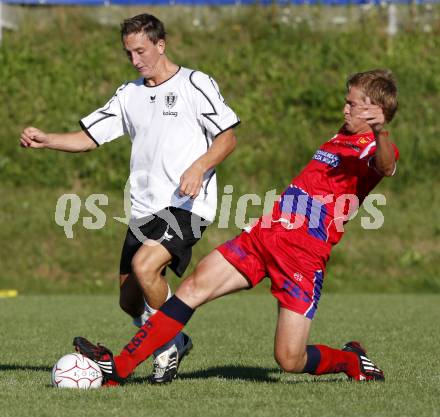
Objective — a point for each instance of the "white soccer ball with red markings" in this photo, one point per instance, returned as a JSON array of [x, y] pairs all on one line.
[[76, 371]]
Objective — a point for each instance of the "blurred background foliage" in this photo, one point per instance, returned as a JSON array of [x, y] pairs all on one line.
[[282, 72]]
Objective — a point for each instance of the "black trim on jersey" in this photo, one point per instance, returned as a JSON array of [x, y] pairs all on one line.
[[215, 88], [104, 112], [205, 132], [106, 116], [85, 130], [230, 127], [214, 111], [163, 82], [205, 191], [207, 183], [207, 147]]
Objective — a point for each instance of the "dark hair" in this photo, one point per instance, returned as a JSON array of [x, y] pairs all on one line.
[[145, 23], [380, 86]]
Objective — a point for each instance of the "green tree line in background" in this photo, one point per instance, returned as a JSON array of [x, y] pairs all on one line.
[[286, 83]]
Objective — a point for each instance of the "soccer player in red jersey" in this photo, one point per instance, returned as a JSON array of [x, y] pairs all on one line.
[[291, 246]]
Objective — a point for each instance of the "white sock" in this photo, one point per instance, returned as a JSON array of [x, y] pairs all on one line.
[[149, 311]]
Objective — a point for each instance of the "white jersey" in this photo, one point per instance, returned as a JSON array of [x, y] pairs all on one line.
[[170, 125]]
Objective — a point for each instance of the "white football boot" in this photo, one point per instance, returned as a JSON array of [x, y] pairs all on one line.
[[168, 358]]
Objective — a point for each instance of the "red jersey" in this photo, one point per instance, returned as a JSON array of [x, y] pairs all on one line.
[[331, 186]]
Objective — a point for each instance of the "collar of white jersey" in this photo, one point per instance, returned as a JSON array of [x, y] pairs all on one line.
[[163, 82]]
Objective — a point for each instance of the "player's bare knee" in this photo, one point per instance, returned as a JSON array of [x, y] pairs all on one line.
[[290, 362], [143, 268], [289, 365]]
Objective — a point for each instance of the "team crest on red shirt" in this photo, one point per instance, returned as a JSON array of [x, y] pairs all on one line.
[[364, 140]]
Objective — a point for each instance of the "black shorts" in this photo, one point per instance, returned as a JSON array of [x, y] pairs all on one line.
[[175, 229]]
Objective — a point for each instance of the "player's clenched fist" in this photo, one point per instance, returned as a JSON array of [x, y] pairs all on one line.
[[191, 181], [31, 137], [373, 115]]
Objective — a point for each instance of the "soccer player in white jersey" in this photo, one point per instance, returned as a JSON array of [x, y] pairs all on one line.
[[180, 128]]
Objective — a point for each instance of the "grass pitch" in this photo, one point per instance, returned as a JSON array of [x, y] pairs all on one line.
[[231, 371]]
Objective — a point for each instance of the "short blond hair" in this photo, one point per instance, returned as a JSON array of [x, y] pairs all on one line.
[[380, 86]]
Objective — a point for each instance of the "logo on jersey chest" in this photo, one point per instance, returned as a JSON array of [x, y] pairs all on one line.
[[327, 158], [170, 102], [364, 140]]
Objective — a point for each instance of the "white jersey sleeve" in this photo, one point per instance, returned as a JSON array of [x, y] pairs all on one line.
[[212, 111], [106, 123]]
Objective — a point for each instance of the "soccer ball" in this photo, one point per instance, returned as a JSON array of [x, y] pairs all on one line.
[[76, 371]]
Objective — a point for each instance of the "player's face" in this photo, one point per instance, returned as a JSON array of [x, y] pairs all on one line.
[[144, 54], [354, 101]]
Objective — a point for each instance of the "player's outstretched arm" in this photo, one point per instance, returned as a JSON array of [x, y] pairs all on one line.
[[384, 158], [32, 137], [192, 179]]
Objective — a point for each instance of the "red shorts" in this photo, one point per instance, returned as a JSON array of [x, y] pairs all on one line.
[[292, 259]]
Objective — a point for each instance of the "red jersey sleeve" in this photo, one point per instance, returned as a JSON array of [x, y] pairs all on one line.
[[396, 151], [370, 151]]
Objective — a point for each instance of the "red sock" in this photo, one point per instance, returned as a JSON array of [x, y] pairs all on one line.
[[158, 330], [322, 360]]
